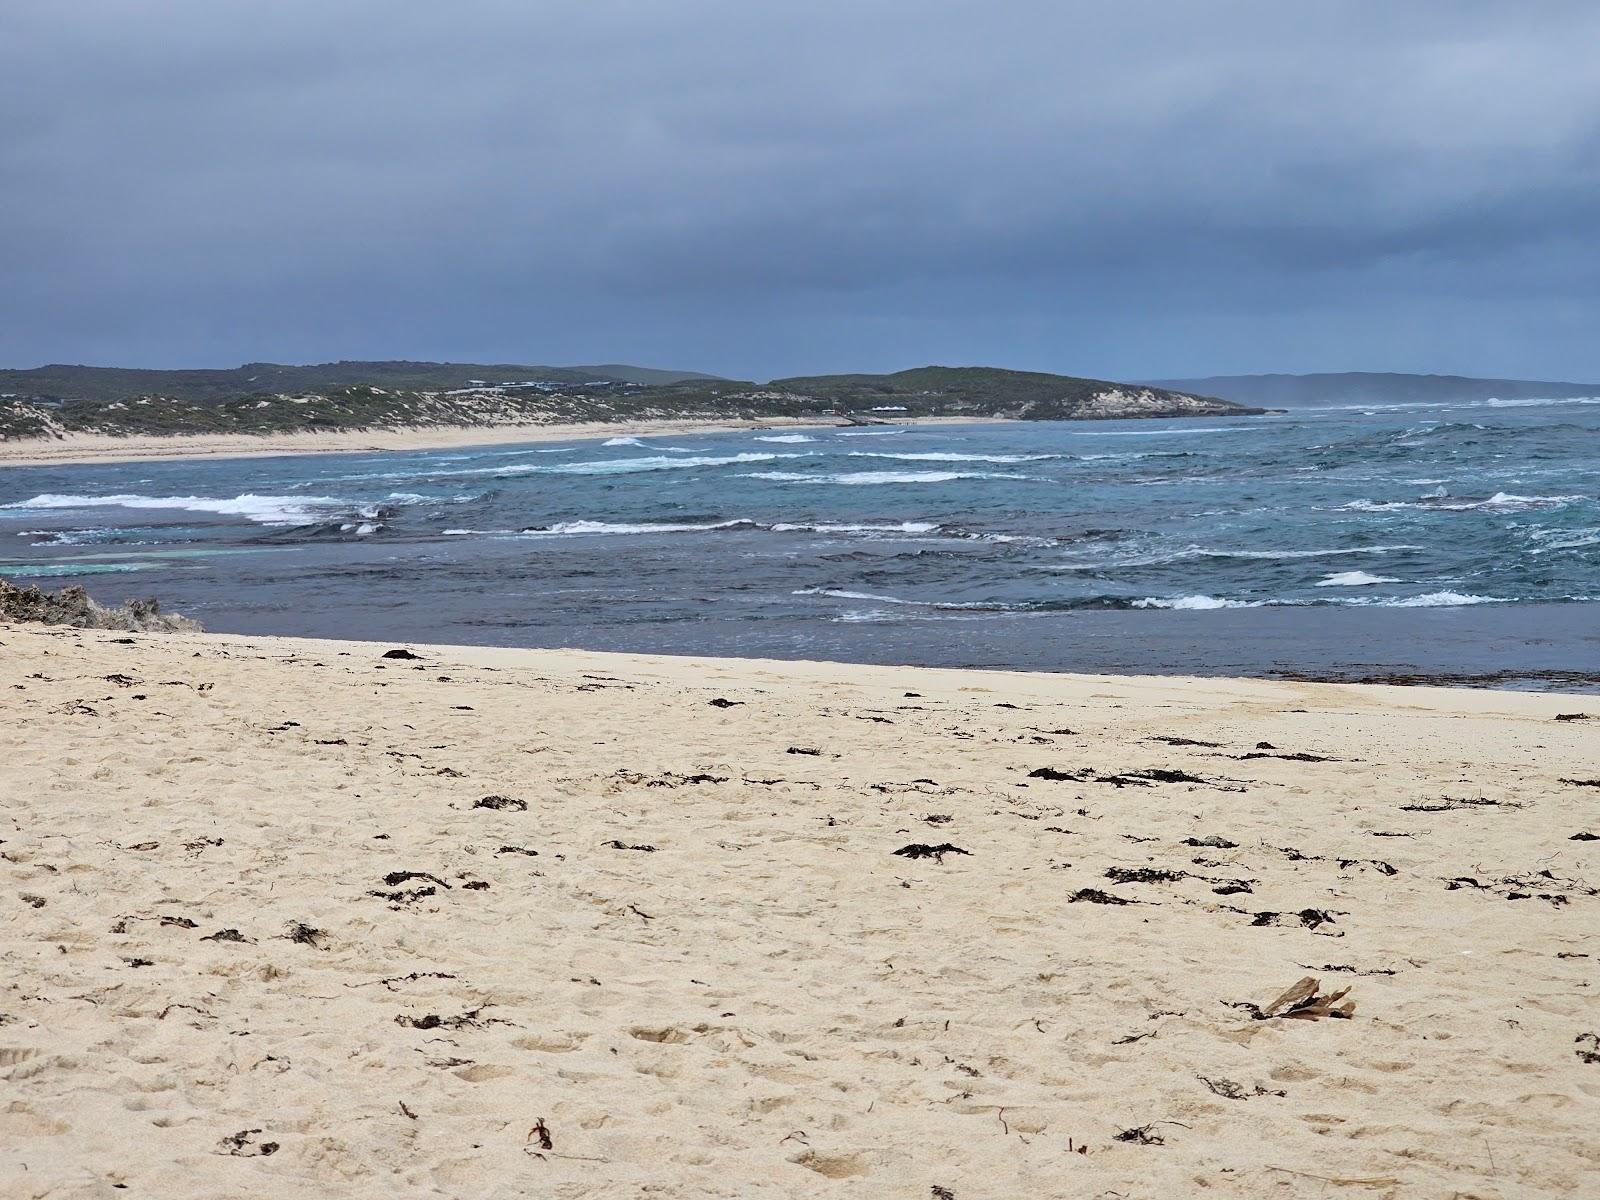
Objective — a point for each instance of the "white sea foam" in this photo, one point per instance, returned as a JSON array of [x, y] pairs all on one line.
[[593, 527], [1195, 602], [869, 432], [1354, 579], [1155, 432], [267, 510], [869, 478], [902, 527], [787, 437], [1445, 599], [1499, 502], [951, 456]]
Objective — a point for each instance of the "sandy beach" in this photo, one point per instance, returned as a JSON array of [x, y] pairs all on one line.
[[104, 448], [292, 918]]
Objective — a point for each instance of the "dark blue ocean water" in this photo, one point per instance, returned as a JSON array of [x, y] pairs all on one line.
[[1454, 539]]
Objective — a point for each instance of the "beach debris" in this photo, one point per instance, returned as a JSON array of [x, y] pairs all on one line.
[[391, 980], [1584, 837], [518, 850], [1594, 783], [1096, 896], [938, 818], [1183, 741], [667, 779], [305, 935], [476, 885], [809, 750], [31, 900], [467, 1020], [1450, 804], [395, 878], [1376, 864], [1212, 843], [937, 853], [239, 1145], [1301, 1002], [199, 845], [1588, 1050], [1310, 918], [1298, 756], [1577, 716], [1144, 875], [400, 653], [1141, 1135], [1229, 1090], [1558, 891], [719, 702], [941, 1193], [225, 935], [1347, 967], [501, 803], [541, 1131], [124, 681], [616, 844], [1126, 778]]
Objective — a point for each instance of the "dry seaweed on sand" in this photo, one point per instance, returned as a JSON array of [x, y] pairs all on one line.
[[1301, 1002], [1451, 803], [501, 803], [937, 853], [1229, 1090], [1096, 896]]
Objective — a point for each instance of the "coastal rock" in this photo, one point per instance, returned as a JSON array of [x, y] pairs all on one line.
[[74, 606]]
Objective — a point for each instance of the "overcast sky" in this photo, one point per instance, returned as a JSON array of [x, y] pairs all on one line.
[[1126, 189]]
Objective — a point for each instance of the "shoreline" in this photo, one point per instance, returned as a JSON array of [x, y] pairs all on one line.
[[77, 449], [296, 918]]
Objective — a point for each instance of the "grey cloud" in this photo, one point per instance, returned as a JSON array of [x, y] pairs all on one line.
[[1147, 188]]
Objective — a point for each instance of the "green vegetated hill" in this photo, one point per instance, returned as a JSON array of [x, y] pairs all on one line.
[[231, 383], [266, 398], [993, 391]]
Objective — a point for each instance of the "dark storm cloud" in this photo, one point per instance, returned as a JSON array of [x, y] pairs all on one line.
[[1130, 189]]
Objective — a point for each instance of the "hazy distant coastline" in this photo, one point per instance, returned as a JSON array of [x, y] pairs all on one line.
[[1374, 387]]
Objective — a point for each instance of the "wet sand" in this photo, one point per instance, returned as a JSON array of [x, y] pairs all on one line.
[[290, 918]]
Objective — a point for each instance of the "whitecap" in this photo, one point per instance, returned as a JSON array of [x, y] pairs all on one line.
[[1354, 579], [902, 527], [1194, 602], [600, 527], [787, 437], [267, 510], [951, 456]]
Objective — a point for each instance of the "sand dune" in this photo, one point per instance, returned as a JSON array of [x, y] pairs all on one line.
[[290, 919]]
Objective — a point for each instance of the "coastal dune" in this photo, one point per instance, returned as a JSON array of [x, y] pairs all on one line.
[[301, 919]]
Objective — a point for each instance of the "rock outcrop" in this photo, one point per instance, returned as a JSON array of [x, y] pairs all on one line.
[[74, 606]]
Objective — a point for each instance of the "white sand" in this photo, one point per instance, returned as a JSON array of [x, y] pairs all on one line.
[[105, 448], [771, 1003]]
